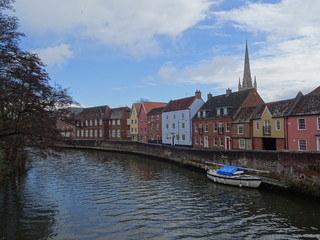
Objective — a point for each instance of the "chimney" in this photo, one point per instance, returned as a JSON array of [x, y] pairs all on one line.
[[209, 96], [198, 94], [228, 92]]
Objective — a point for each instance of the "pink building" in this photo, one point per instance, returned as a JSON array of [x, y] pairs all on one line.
[[303, 124]]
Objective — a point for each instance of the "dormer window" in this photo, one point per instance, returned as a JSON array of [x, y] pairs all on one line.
[[204, 114], [225, 111]]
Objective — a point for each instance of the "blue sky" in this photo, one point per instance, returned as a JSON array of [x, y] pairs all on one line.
[[115, 52]]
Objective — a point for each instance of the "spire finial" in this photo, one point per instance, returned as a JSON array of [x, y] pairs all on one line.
[[247, 81]]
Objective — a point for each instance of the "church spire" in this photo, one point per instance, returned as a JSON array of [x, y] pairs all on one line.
[[247, 80]]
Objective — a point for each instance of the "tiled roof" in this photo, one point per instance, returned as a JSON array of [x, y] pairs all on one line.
[[308, 105], [276, 109], [179, 104], [245, 114], [94, 111], [232, 101], [137, 106], [315, 91], [155, 111], [118, 113], [148, 106]]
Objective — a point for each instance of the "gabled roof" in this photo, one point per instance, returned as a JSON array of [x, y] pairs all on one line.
[[307, 105], [179, 104], [148, 106], [94, 111], [118, 113], [315, 91], [245, 114], [232, 101], [156, 111], [277, 109], [136, 106]]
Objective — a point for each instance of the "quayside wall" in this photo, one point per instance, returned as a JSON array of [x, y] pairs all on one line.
[[298, 171]]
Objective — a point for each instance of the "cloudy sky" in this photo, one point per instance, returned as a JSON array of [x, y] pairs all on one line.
[[116, 52]]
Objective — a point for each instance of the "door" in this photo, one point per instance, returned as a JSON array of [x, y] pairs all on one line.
[[227, 143], [206, 142], [318, 143]]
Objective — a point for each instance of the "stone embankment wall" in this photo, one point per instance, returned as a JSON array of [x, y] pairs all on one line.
[[299, 171]]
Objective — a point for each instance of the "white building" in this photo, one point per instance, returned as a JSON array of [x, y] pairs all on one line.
[[177, 120]]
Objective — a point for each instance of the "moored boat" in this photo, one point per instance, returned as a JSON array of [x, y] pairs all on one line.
[[235, 176]]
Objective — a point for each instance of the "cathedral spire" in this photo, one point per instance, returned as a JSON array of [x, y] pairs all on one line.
[[247, 80]]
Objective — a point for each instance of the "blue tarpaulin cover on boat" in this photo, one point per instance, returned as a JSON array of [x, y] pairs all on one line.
[[228, 170]]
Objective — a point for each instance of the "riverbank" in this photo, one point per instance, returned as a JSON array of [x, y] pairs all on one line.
[[295, 171]]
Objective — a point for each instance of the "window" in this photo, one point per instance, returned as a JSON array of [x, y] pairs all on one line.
[[221, 128], [206, 128], [100, 122], [257, 126], [151, 127], [87, 133], [157, 116], [157, 126], [91, 122], [82, 133], [86, 122], [278, 125], [141, 130], [113, 133], [201, 140], [145, 121], [177, 136], [167, 126], [78, 133], [266, 128], [151, 117], [167, 116], [173, 125], [95, 133], [118, 133], [302, 144], [301, 124], [183, 137], [113, 122], [95, 122], [318, 123], [215, 141], [91, 133], [174, 116], [215, 127], [225, 111], [196, 128], [183, 125], [182, 115], [240, 129], [221, 141], [100, 133], [118, 121], [196, 141], [227, 127], [242, 144]]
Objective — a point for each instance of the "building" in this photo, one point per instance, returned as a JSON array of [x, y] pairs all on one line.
[[212, 126], [92, 123], [67, 122], [269, 125], [134, 121], [145, 108], [118, 126], [303, 123], [154, 119], [177, 120]]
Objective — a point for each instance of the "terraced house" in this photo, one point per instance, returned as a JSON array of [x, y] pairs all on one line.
[[154, 119], [134, 132]]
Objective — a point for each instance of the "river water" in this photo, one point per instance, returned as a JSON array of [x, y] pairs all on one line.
[[101, 195]]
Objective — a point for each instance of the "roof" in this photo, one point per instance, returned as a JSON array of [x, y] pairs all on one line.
[[118, 113], [155, 111], [276, 109], [307, 105], [315, 91], [232, 101], [245, 114], [94, 111], [179, 104], [137, 106], [148, 106]]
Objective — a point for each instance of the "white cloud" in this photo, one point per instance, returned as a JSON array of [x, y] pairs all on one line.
[[131, 25], [55, 56], [288, 59]]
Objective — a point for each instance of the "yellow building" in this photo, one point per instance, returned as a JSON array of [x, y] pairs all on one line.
[[268, 125], [134, 121]]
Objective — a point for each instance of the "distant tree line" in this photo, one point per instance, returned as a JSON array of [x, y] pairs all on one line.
[[28, 103]]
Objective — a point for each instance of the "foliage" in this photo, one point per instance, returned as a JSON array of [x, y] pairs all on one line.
[[28, 103]]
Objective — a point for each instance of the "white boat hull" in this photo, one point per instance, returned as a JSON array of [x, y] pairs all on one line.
[[240, 180]]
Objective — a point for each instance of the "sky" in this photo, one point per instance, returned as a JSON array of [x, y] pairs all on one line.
[[117, 52]]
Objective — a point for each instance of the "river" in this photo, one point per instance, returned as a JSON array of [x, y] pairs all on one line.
[[102, 195]]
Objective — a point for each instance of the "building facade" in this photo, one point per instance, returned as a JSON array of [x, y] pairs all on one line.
[[134, 132], [154, 119], [177, 120], [118, 125]]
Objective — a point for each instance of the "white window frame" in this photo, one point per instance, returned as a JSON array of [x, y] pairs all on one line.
[[242, 143], [298, 124], [300, 147], [278, 125], [240, 129], [318, 123], [257, 126]]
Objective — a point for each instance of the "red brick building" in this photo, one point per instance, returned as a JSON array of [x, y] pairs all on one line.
[[118, 126], [212, 125], [154, 133]]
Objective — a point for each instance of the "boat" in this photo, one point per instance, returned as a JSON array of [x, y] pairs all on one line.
[[234, 176]]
